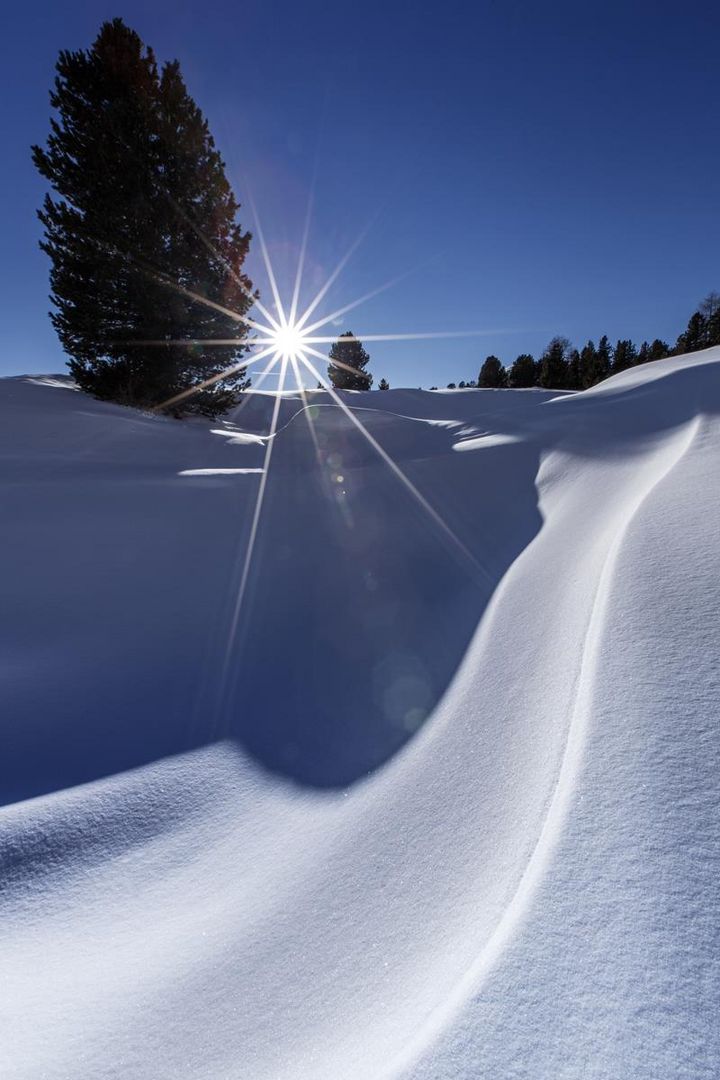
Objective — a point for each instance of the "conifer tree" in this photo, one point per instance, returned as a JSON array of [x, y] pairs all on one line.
[[595, 362], [141, 232], [604, 358], [492, 374], [587, 366], [624, 356], [658, 350], [348, 360], [523, 372], [573, 370], [383, 385], [710, 310], [693, 338], [553, 373], [703, 329]]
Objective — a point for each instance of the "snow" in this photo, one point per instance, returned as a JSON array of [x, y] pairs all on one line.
[[445, 802]]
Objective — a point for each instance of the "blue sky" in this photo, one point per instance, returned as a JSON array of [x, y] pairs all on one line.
[[532, 169]]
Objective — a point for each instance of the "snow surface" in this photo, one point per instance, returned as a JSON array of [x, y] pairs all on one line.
[[440, 801]]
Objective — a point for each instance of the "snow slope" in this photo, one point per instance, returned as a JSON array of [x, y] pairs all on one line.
[[438, 799]]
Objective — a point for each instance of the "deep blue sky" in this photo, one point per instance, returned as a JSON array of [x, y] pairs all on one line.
[[542, 168]]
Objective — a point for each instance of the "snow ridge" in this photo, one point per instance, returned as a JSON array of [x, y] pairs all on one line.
[[408, 821]]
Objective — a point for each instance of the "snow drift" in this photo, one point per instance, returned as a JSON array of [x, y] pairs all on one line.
[[438, 799]]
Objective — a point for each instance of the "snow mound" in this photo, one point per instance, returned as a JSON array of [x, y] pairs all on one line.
[[437, 799]]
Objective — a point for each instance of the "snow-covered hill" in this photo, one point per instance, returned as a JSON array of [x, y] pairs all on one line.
[[435, 796]]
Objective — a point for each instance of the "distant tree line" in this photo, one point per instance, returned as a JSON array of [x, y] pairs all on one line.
[[563, 367]]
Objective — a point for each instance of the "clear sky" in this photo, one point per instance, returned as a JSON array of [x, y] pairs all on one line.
[[534, 169]]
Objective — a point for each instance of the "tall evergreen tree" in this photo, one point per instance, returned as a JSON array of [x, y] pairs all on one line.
[[383, 385], [588, 365], [604, 358], [142, 235], [523, 372], [695, 336], [573, 370], [703, 329], [624, 356], [553, 365], [710, 310], [658, 350], [595, 362], [492, 374], [348, 360]]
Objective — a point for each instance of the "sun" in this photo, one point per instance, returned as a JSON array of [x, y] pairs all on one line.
[[288, 341]]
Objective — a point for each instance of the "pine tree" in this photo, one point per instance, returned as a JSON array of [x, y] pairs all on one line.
[[604, 358], [348, 360], [523, 372], [695, 336], [703, 329], [142, 235], [492, 374], [658, 350], [710, 308], [588, 365], [624, 356], [383, 385], [595, 362], [573, 370], [553, 373]]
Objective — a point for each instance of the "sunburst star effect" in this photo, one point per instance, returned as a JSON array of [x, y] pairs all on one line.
[[290, 341]]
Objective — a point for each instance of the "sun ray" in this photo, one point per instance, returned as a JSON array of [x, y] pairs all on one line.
[[335, 363], [436, 335], [302, 339], [270, 443], [164, 279], [307, 408], [334, 276], [240, 366], [228, 266], [247, 394], [222, 342], [439, 335], [282, 321], [395, 468], [303, 250], [362, 299]]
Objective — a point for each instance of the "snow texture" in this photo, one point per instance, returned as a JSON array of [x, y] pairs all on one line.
[[437, 800]]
